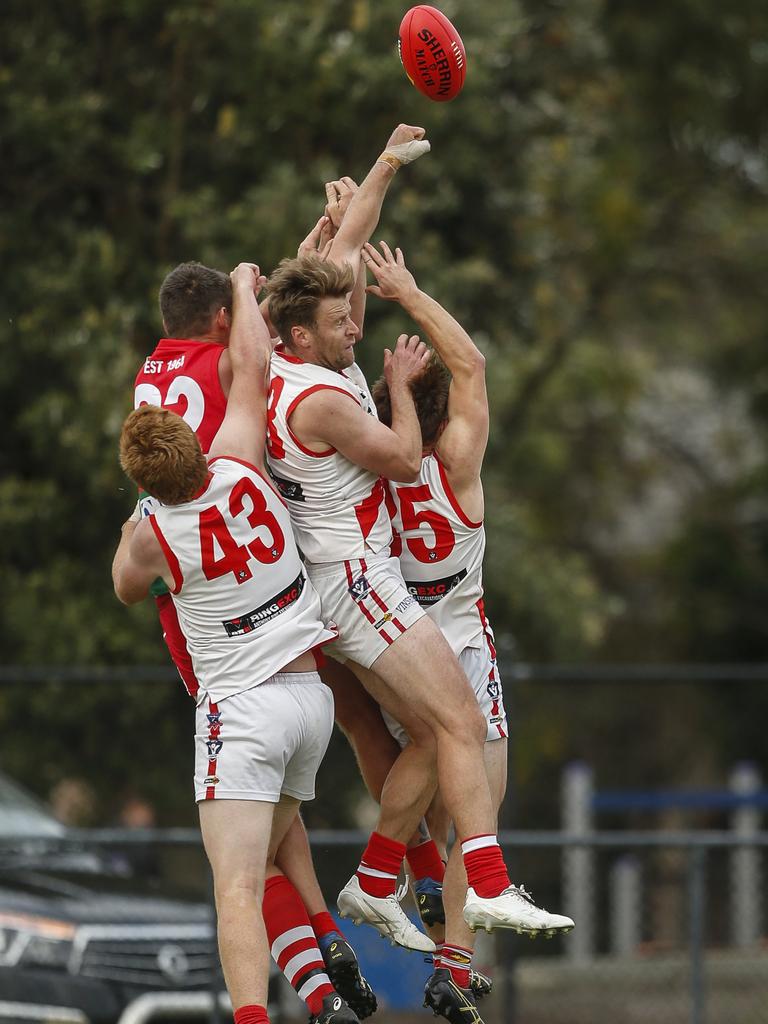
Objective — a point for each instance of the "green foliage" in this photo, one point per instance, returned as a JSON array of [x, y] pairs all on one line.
[[593, 209]]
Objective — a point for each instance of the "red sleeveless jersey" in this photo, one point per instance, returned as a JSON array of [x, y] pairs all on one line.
[[183, 376]]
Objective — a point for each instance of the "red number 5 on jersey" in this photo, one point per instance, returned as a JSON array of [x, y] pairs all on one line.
[[445, 539], [231, 556]]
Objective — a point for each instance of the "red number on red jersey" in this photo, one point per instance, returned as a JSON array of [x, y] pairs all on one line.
[[275, 446], [445, 539], [233, 557]]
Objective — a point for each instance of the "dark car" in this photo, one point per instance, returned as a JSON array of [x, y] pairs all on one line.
[[82, 937]]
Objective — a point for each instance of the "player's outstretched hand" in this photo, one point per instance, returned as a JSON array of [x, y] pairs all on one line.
[[394, 281], [318, 241], [407, 361], [338, 196], [248, 274]]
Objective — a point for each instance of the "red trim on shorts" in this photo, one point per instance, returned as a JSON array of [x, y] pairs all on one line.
[[379, 601], [486, 628], [452, 497], [214, 728], [170, 557], [292, 408], [365, 611]]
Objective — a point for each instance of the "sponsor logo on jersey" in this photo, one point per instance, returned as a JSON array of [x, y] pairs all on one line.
[[359, 588], [387, 617], [267, 611], [214, 746], [210, 780], [405, 603], [289, 489], [429, 593]]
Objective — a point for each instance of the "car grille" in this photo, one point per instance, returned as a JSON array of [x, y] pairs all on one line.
[[148, 957]]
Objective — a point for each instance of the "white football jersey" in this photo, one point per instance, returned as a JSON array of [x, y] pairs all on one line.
[[244, 601], [441, 555], [338, 509]]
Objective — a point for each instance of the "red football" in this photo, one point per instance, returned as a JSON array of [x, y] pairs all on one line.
[[432, 53]]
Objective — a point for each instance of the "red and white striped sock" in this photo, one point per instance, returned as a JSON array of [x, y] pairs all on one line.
[[293, 944], [379, 866], [251, 1014], [486, 870], [425, 861], [458, 960]]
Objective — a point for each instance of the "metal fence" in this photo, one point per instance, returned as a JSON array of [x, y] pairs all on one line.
[[662, 948]]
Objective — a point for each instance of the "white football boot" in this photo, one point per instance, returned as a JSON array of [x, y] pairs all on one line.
[[513, 908], [385, 914]]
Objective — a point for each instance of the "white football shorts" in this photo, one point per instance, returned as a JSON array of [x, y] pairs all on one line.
[[483, 674], [265, 741], [368, 601]]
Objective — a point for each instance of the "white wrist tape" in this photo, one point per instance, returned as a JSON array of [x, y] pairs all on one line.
[[405, 152]]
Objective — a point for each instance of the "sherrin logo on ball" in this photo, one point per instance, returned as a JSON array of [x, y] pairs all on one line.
[[432, 53]]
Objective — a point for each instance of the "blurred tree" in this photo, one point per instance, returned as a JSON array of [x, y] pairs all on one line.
[[593, 209]]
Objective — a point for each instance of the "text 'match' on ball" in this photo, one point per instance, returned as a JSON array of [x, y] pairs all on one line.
[[432, 53]]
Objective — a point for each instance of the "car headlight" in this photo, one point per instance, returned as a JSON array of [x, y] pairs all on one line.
[[26, 940]]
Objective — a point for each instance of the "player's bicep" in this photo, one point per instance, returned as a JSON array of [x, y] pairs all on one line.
[[139, 568], [358, 436]]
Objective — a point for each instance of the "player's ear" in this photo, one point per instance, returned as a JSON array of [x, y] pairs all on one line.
[[223, 318], [299, 336]]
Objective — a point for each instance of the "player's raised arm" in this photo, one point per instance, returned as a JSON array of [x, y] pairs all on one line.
[[405, 144], [243, 429], [464, 439]]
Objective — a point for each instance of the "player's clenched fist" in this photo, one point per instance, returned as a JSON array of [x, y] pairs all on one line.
[[248, 274], [406, 362]]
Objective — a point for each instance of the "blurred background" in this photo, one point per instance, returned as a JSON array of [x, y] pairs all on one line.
[[593, 211]]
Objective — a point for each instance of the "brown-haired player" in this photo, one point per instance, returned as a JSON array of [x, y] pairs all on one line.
[[331, 455], [440, 543], [221, 539]]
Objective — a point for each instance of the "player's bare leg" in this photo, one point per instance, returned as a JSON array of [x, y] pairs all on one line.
[[453, 988], [236, 839], [294, 860], [421, 672], [359, 718], [420, 669], [370, 895]]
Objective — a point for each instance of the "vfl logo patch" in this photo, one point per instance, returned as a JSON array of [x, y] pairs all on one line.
[[214, 746], [359, 588], [494, 689], [215, 718]]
